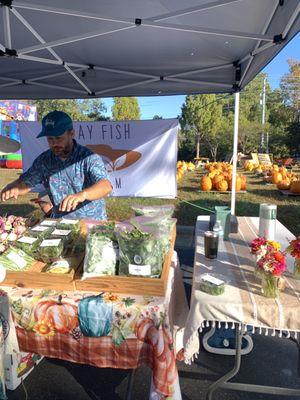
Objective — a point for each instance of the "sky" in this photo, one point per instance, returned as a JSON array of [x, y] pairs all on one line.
[[170, 106]]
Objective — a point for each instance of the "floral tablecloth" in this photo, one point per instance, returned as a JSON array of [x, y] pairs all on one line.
[[106, 329]]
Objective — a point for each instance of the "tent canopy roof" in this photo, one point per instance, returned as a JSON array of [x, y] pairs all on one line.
[[107, 48]]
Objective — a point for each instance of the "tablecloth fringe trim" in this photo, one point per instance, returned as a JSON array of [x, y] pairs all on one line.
[[262, 330], [188, 359]]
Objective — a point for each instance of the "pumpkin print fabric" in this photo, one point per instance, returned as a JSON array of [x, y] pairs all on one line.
[[84, 319]]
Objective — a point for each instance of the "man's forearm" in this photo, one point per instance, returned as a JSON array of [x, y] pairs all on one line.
[[23, 188], [98, 190], [14, 189]]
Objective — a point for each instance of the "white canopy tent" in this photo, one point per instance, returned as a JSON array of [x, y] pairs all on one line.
[[139, 48]]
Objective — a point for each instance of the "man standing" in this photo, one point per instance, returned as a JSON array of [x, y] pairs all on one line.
[[74, 177]]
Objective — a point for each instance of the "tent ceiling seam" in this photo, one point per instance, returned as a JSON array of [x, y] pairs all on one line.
[[71, 39], [265, 28], [192, 10], [126, 86]]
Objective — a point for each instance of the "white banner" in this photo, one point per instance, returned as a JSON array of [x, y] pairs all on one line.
[[140, 156]]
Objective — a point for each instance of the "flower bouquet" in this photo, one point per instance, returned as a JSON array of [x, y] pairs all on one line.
[[11, 228], [294, 250], [270, 264]]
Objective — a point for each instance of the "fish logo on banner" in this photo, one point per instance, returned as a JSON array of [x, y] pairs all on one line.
[[115, 159]]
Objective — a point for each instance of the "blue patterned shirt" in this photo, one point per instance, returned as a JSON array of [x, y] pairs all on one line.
[[62, 178]]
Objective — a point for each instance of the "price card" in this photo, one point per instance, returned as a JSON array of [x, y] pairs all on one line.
[[40, 228], [141, 270], [61, 232], [27, 239], [50, 242]]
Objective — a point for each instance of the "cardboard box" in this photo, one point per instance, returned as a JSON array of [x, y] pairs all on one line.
[[18, 366]]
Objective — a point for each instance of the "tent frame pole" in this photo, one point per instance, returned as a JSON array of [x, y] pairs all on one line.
[[7, 30], [235, 149]]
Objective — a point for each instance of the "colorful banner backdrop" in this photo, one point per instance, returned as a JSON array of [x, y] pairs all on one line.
[[140, 156]]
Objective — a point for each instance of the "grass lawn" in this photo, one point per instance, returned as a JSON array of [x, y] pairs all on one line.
[[288, 208]]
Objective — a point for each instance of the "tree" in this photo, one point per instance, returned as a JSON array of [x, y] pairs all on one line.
[[125, 108], [79, 110], [201, 117], [290, 85]]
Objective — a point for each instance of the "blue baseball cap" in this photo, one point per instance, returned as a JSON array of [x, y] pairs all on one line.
[[56, 123]]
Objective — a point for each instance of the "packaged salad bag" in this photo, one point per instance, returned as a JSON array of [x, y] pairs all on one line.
[[101, 252], [140, 253]]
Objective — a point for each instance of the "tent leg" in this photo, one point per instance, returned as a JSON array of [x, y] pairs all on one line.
[[235, 149]]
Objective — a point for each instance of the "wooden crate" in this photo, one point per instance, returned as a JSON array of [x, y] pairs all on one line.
[[37, 277], [129, 284]]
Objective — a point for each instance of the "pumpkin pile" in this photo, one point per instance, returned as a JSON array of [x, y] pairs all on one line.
[[183, 167], [219, 178], [281, 177]]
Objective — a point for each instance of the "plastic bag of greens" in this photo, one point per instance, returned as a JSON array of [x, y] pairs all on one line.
[[101, 253], [65, 235], [69, 224], [28, 244], [40, 231], [139, 251], [162, 225], [166, 210], [50, 250], [78, 245], [15, 259]]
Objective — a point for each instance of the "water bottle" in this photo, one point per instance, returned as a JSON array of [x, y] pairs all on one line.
[[267, 220], [218, 228]]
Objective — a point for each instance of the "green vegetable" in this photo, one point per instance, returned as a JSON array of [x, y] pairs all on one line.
[[50, 250], [211, 285], [78, 246], [40, 231], [141, 250], [16, 260], [64, 224], [101, 253], [28, 244]]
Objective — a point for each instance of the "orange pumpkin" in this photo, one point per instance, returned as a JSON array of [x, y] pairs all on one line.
[[222, 186], [61, 315], [238, 184], [295, 187], [243, 182], [216, 179], [276, 177], [206, 183], [284, 184]]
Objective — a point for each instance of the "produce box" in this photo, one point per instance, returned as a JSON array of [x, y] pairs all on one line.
[[129, 284], [37, 277], [18, 366]]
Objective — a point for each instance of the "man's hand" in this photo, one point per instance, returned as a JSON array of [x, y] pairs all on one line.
[[9, 192], [71, 202]]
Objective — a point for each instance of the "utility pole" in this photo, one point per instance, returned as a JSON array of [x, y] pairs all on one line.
[[263, 104]]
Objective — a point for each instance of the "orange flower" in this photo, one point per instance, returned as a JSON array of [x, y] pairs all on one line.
[[278, 256], [111, 297], [44, 328]]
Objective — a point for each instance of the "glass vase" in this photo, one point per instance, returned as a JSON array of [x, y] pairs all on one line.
[[296, 271], [269, 285]]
